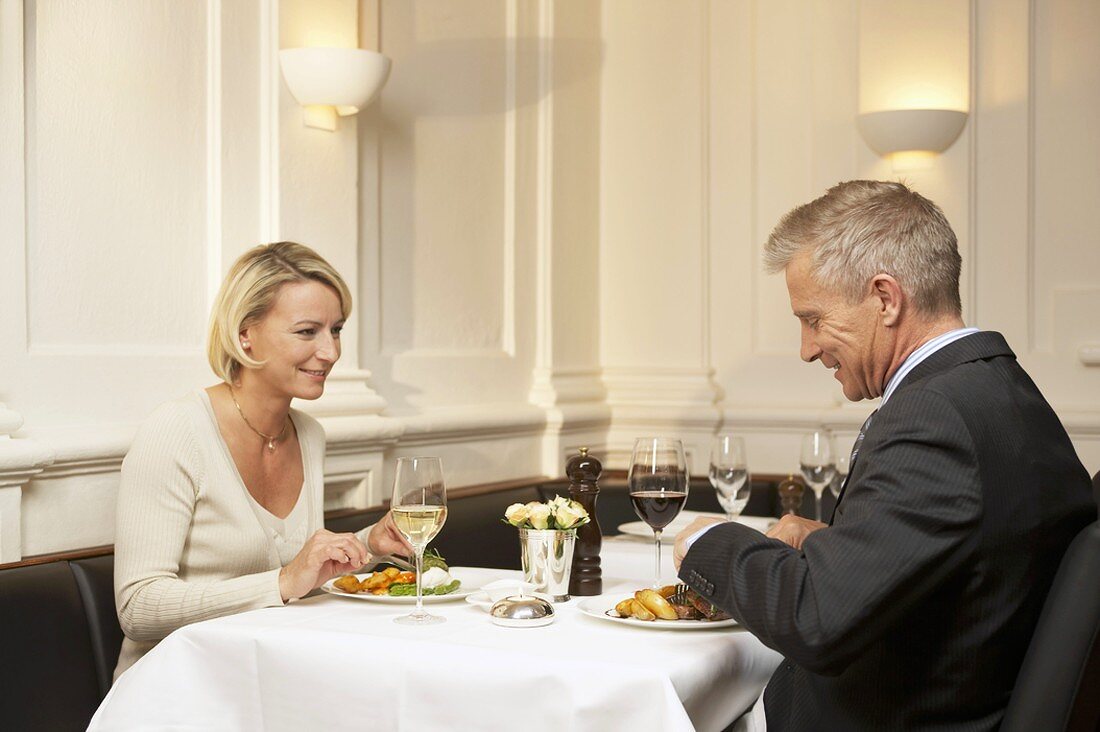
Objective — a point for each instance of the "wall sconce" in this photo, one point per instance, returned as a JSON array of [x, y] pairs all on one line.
[[911, 138], [331, 81]]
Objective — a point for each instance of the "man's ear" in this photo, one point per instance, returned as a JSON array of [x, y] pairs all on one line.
[[890, 298]]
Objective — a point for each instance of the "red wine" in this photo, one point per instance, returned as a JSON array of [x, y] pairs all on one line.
[[658, 508]]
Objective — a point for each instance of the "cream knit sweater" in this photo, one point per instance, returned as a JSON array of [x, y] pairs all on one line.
[[188, 544]]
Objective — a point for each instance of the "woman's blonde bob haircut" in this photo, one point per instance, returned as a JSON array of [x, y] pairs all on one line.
[[248, 291]]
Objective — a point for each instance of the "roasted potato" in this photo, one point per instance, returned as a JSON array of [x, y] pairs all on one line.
[[667, 591], [390, 571], [377, 581], [656, 604], [347, 583], [624, 607], [639, 611]]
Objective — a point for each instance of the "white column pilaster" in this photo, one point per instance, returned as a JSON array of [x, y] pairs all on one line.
[[20, 460]]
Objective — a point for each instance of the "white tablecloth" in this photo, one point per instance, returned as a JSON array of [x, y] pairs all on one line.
[[334, 663]]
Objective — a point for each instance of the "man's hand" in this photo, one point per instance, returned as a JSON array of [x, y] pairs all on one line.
[[793, 530], [681, 548]]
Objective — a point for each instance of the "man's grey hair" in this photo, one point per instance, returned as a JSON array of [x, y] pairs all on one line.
[[862, 228]]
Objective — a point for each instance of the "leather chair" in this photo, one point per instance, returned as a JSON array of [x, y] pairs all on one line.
[[48, 676], [613, 507], [474, 535], [95, 582], [1058, 682], [350, 522]]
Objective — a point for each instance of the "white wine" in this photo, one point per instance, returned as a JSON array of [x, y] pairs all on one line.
[[419, 524]]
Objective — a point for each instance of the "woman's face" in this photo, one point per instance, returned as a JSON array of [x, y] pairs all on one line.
[[298, 338]]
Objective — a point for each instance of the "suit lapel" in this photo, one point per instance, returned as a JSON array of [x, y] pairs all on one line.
[[974, 347]]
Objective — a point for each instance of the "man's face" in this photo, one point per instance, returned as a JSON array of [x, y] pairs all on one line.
[[847, 338]]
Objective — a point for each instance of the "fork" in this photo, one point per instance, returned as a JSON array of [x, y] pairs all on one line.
[[393, 559], [680, 596]]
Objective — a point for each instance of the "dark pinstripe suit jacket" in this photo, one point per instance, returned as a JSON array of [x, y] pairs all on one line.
[[913, 610]]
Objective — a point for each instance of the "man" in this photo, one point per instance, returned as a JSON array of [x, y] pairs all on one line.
[[913, 608]]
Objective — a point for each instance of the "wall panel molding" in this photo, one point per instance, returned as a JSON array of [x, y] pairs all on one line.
[[213, 149]]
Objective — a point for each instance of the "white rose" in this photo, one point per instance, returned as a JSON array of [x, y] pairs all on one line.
[[516, 514], [539, 516], [556, 502], [570, 514]]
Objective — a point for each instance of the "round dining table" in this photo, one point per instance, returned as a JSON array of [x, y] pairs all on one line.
[[338, 663]]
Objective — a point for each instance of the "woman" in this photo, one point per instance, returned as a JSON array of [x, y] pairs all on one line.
[[220, 506]]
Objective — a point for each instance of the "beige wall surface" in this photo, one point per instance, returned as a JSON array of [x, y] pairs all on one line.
[[552, 219]]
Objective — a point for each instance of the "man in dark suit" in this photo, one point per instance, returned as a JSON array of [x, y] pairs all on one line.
[[913, 608]]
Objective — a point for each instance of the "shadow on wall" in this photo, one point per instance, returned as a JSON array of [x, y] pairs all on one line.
[[445, 65], [446, 100]]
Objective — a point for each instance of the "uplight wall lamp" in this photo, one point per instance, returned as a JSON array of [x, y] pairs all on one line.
[[911, 138], [914, 78], [333, 81]]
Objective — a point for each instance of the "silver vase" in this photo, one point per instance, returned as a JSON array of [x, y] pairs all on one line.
[[546, 556]]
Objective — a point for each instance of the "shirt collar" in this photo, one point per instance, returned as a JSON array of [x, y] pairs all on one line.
[[926, 349]]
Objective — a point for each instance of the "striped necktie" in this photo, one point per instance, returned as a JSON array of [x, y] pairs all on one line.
[[852, 461], [859, 440]]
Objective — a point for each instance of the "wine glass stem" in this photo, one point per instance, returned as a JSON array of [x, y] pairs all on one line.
[[419, 581], [657, 565], [819, 491]]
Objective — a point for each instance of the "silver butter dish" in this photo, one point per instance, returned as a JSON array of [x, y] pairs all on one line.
[[524, 611]]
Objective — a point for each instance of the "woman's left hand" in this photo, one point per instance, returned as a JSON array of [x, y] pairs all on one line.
[[384, 538]]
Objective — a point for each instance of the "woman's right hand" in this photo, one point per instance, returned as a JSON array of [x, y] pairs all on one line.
[[324, 556]]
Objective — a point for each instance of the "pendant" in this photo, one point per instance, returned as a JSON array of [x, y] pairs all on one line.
[[271, 445]]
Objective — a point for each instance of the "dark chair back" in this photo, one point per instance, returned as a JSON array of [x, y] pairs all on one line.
[[95, 581], [475, 536], [348, 522], [47, 675], [1058, 687]]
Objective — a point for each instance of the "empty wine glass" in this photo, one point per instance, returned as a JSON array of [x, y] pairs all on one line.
[[658, 482], [419, 508], [842, 460], [729, 474], [818, 463]]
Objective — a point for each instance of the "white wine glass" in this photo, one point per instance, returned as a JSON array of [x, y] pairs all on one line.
[[658, 481], [729, 474], [842, 461], [818, 463], [419, 508]]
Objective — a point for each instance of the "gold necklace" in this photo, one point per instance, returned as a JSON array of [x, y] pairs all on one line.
[[271, 439]]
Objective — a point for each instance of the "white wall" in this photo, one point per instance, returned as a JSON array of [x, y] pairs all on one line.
[[552, 219], [748, 110]]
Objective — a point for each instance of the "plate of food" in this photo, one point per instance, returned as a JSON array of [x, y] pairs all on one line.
[[675, 607], [395, 586], [668, 536]]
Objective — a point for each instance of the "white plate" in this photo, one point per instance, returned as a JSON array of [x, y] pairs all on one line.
[[640, 528], [471, 579], [483, 601], [598, 607]]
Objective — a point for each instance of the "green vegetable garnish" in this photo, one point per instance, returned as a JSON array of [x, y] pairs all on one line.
[[432, 558], [403, 590]]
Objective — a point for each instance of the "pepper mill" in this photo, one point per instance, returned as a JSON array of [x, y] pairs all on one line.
[[586, 577], [790, 492]]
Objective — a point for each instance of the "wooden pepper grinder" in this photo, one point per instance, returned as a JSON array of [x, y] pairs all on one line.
[[790, 492], [586, 578]]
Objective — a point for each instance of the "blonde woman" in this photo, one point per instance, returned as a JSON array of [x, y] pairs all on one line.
[[220, 506]]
